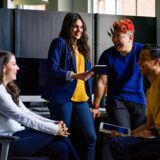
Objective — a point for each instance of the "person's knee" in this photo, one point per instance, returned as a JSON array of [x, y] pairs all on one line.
[[64, 155], [61, 151], [115, 145], [92, 139]]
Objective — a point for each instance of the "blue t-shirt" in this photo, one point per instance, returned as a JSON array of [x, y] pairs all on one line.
[[125, 81]]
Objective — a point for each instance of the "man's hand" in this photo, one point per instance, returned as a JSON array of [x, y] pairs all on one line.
[[115, 134], [95, 113], [144, 133]]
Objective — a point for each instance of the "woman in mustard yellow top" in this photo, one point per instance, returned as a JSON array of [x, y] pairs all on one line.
[[144, 144], [69, 86]]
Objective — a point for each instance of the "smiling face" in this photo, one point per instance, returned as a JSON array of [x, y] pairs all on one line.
[[77, 29], [146, 63], [122, 41], [10, 70]]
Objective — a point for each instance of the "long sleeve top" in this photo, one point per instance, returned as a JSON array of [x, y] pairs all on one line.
[[58, 88], [14, 118]]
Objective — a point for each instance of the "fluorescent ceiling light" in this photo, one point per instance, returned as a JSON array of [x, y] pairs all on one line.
[[29, 2]]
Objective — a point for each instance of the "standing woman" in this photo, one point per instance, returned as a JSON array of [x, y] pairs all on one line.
[[69, 86]]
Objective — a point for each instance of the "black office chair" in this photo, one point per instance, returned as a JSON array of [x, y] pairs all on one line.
[[5, 143]]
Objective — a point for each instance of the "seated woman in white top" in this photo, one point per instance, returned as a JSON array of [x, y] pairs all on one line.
[[38, 135]]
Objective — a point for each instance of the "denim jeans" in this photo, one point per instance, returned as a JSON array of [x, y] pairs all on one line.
[[80, 114], [33, 143]]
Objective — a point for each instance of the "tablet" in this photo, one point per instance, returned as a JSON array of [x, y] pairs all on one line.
[[108, 128], [98, 68]]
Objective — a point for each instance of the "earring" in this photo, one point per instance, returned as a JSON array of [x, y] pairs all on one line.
[[3, 76]]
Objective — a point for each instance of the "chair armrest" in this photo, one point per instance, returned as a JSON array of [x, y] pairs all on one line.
[[5, 141], [3, 137]]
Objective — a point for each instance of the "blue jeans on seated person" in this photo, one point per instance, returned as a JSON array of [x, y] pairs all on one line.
[[34, 143], [128, 148], [78, 113]]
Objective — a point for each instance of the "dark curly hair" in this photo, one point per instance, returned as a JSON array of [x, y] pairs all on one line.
[[68, 23], [154, 50], [11, 87]]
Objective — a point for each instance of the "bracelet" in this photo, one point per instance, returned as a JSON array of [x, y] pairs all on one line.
[[95, 106]]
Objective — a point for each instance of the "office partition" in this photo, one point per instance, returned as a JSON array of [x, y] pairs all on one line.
[[145, 31]]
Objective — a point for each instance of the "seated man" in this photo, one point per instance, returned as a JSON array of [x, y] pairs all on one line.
[[145, 140]]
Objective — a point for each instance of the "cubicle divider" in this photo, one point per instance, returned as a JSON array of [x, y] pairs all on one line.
[[6, 29], [34, 31], [28, 33], [145, 31]]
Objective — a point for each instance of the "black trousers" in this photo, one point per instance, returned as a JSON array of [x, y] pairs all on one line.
[[125, 113]]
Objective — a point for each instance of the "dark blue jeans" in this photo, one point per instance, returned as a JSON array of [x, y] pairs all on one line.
[[133, 148], [126, 114], [33, 143], [80, 114]]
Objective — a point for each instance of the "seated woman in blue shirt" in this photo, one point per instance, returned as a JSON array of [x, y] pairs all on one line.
[[42, 136]]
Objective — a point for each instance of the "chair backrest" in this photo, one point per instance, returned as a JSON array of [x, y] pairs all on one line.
[[5, 141]]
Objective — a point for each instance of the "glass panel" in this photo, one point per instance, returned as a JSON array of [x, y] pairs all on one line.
[[146, 8], [106, 6], [35, 7], [126, 7], [21, 6]]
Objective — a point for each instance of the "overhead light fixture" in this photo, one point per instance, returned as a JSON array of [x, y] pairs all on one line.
[[29, 2]]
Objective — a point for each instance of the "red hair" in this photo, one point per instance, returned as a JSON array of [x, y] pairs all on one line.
[[123, 26]]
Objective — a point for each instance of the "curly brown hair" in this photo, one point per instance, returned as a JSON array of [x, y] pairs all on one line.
[[68, 23], [11, 87]]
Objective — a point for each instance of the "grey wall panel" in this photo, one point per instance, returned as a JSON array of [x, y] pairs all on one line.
[[6, 29], [158, 20], [145, 31], [36, 29], [89, 20]]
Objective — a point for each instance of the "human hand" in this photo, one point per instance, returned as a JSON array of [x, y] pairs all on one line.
[[143, 133], [115, 134], [83, 76], [62, 129], [95, 113]]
